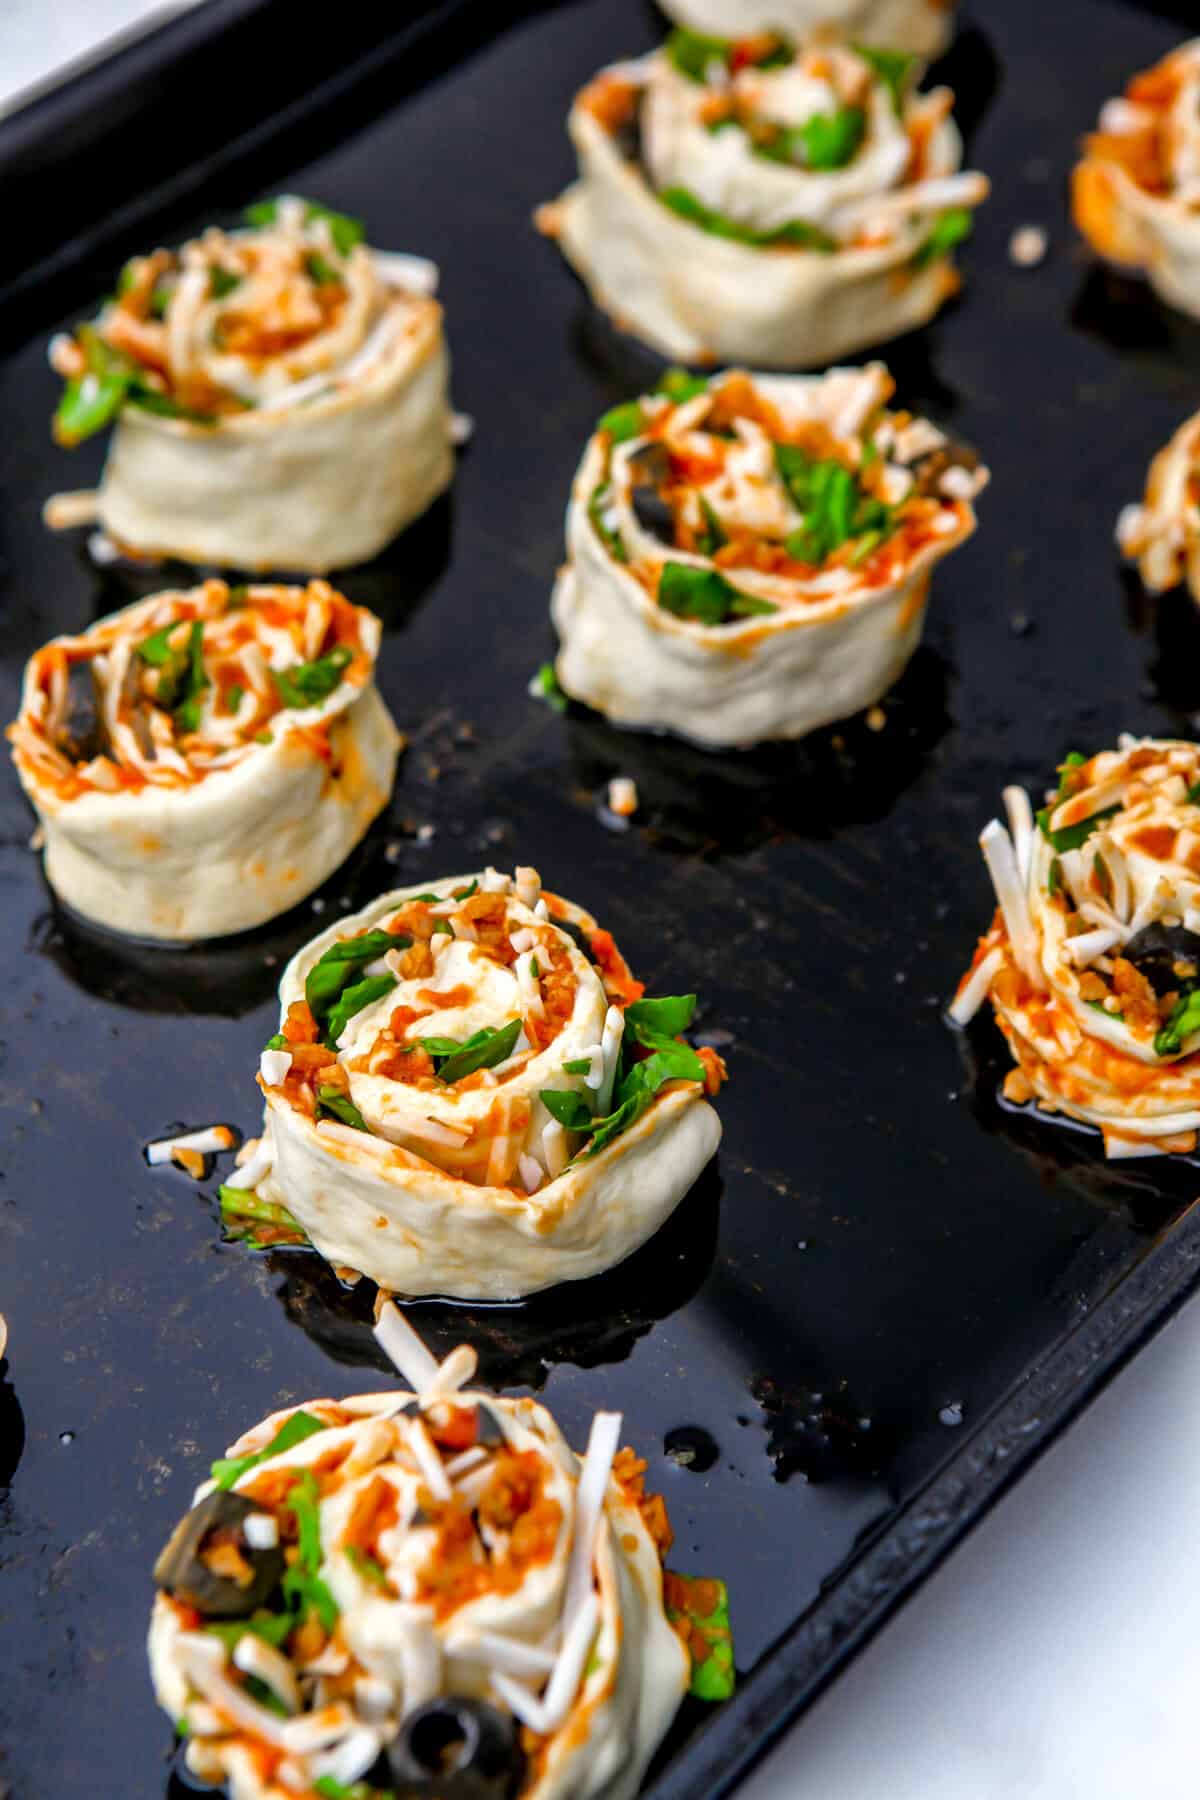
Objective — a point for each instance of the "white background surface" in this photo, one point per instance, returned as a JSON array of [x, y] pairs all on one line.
[[1056, 1656]]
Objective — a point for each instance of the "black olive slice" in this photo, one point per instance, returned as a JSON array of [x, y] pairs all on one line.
[[488, 1430], [929, 469], [578, 937], [456, 1749], [1167, 955], [182, 1572], [627, 135], [654, 515], [81, 735], [649, 465]]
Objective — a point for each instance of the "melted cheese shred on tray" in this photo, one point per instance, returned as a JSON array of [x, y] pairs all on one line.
[[749, 557], [1092, 962], [470, 1095], [202, 760], [918, 27], [1162, 534], [1135, 194], [279, 395], [747, 200], [396, 1588]]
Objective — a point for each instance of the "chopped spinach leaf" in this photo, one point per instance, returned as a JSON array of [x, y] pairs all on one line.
[[797, 234], [226, 1471], [483, 1050], [331, 1102], [352, 1000], [950, 228], [704, 594], [894, 68], [545, 686], [308, 683]]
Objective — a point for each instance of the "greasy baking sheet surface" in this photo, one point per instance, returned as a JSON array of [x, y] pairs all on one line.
[[882, 1257]]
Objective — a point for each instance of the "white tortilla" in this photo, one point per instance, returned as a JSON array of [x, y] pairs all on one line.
[[1162, 535], [700, 298], [239, 846], [920, 26], [1154, 233], [776, 676], [637, 1671], [393, 1214]]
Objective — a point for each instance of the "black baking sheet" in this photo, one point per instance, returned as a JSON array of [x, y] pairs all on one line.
[[889, 1292]]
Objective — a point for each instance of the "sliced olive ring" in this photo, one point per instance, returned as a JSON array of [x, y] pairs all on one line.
[[182, 1571], [1167, 955], [456, 1749], [81, 735]]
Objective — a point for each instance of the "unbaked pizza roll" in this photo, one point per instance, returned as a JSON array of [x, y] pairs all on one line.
[[202, 760], [1092, 962], [920, 27], [1162, 535], [1136, 194], [744, 200], [428, 1593], [749, 557], [469, 1094], [279, 396]]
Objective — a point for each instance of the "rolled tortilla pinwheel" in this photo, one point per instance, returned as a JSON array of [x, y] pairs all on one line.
[[427, 1593], [279, 396], [1092, 962], [749, 557], [744, 200], [469, 1094], [1162, 535], [202, 760], [920, 27], [1135, 195]]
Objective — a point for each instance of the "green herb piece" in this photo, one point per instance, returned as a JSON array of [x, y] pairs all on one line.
[[704, 594], [181, 676], [161, 295], [330, 1788], [568, 1106], [1184, 1019], [651, 1021], [1054, 878], [824, 141], [308, 683], [1193, 794], [442, 928], [367, 1566], [580, 1066], [222, 282], [337, 967], [680, 385], [228, 1470], [233, 697], [89, 402], [464, 893], [1099, 1006], [344, 231], [713, 537], [194, 681], [278, 1042], [331, 1102], [483, 1050], [151, 401], [676, 1062], [951, 228], [156, 650], [1071, 837], [272, 1628], [797, 234], [894, 68], [834, 506], [244, 1217], [611, 539], [320, 271], [623, 422], [709, 1637], [691, 52], [302, 1584], [352, 1000], [264, 737]]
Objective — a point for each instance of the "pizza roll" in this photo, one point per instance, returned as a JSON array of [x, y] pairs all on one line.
[[278, 395], [1136, 193], [1092, 962], [428, 1592], [1162, 535], [470, 1095], [202, 760], [745, 200], [920, 27], [749, 557]]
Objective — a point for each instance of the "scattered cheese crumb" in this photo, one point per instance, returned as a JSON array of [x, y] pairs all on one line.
[[876, 719], [1027, 246], [622, 796]]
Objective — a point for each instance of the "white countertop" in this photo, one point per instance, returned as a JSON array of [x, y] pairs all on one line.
[[1054, 1656]]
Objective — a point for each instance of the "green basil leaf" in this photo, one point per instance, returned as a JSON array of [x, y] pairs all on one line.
[[335, 968], [1071, 837], [623, 422], [482, 1051], [228, 1470], [691, 52], [704, 594], [663, 1017], [308, 683], [352, 1000], [895, 68], [568, 1106], [340, 1106], [950, 228]]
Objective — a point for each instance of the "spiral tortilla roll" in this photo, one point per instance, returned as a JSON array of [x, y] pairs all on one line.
[[202, 760], [747, 201], [749, 557], [279, 396], [921, 27], [438, 1551], [1162, 535], [1092, 962], [1135, 195], [470, 1096]]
